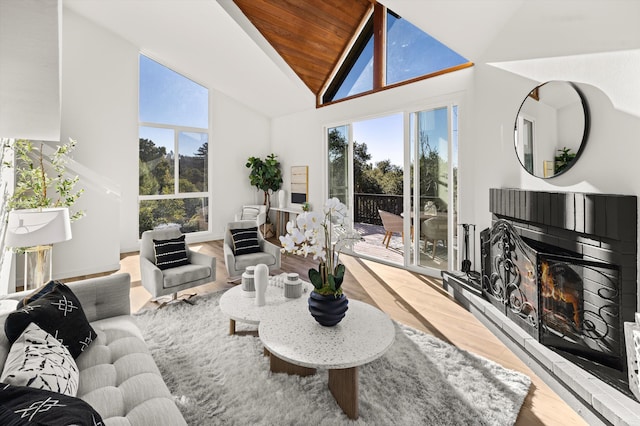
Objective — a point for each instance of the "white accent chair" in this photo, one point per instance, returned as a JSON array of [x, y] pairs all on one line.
[[435, 229], [236, 265], [158, 282], [257, 212]]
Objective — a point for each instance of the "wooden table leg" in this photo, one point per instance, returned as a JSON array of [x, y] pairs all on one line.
[[343, 384], [278, 365], [232, 327]]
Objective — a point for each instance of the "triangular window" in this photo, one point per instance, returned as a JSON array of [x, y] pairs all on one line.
[[400, 54]]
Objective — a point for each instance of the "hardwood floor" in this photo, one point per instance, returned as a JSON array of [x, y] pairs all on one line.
[[409, 298]]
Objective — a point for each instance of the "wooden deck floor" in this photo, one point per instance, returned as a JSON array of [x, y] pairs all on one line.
[[412, 299], [372, 246]]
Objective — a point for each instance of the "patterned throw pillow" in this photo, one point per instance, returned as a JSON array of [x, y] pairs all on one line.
[[60, 314], [37, 293], [245, 241], [40, 361], [20, 405], [170, 253]]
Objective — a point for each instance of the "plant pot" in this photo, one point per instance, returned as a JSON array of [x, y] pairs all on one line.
[[267, 230], [328, 310]]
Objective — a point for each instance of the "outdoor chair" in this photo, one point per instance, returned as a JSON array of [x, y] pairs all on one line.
[[392, 223], [434, 230]]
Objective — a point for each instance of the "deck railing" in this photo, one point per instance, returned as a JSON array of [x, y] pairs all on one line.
[[366, 206]]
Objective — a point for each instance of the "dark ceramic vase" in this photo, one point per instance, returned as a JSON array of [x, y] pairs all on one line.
[[328, 310]]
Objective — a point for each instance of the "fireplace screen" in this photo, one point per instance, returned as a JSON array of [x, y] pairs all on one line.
[[558, 297]]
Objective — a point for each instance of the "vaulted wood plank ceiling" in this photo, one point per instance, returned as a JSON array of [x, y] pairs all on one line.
[[310, 35]]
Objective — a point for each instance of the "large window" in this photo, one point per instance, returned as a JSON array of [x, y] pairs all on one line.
[[389, 51], [173, 150]]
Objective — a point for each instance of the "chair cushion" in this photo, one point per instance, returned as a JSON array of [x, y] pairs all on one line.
[[253, 259], [60, 314], [40, 361], [185, 274], [249, 213], [170, 253], [245, 241]]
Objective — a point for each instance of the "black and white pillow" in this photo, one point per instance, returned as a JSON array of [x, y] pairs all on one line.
[[37, 293], [170, 253], [40, 361], [60, 314], [250, 213], [245, 241], [20, 406]]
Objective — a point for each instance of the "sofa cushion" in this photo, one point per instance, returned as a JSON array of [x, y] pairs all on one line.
[[245, 241], [20, 405], [120, 379], [60, 314], [38, 360], [170, 253]]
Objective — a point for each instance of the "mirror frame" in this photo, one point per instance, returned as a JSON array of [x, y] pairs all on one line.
[[585, 133]]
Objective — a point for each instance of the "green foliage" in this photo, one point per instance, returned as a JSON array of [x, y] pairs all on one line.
[[41, 181], [325, 282], [157, 177], [265, 175], [563, 159]]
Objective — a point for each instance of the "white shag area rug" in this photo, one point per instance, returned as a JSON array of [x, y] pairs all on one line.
[[218, 379]]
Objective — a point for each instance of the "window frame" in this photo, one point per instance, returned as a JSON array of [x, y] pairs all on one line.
[[177, 129], [376, 23]]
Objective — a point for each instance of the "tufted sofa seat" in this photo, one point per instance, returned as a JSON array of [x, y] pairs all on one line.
[[118, 376]]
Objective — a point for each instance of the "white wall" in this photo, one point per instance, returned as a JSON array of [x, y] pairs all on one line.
[[487, 156], [237, 133], [609, 162], [100, 111]]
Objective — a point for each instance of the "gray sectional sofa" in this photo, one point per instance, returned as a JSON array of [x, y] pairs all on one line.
[[118, 376]]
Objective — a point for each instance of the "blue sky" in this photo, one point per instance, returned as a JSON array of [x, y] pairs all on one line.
[[383, 137], [167, 97]]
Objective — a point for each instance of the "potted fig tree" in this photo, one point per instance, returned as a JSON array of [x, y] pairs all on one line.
[[266, 176]]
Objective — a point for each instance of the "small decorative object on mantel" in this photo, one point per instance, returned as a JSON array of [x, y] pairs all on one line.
[[248, 286], [261, 281], [324, 235]]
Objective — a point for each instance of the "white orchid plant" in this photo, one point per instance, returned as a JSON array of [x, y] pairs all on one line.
[[324, 235]]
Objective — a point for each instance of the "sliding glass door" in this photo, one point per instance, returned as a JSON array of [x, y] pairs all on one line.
[[398, 176], [433, 146]]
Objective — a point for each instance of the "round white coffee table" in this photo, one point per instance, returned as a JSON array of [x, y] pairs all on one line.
[[299, 345], [239, 307]]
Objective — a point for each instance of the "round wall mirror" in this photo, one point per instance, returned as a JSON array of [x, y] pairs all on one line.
[[551, 128]]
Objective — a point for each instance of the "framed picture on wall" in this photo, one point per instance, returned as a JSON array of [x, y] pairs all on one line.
[[299, 184]]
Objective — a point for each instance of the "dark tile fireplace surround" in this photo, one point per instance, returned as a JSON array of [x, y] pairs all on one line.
[[559, 278]]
